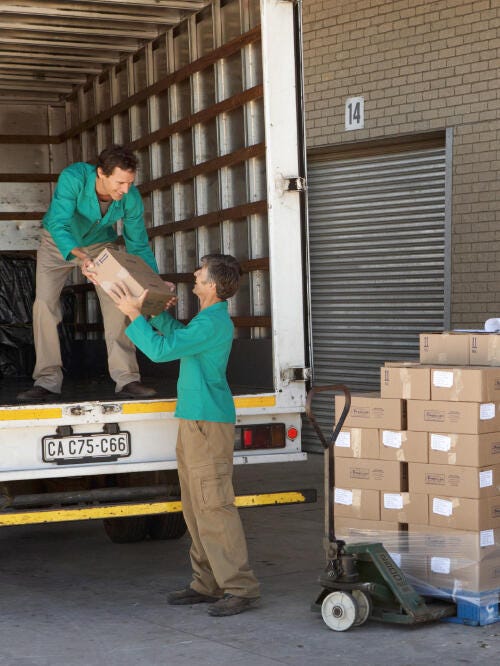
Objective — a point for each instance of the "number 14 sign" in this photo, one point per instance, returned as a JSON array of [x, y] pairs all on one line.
[[354, 113]]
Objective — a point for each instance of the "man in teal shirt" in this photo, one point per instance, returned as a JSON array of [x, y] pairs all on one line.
[[205, 443], [81, 220]]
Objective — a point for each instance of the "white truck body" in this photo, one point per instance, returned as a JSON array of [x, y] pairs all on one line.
[[249, 151]]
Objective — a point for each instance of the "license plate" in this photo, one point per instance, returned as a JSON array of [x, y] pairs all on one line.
[[83, 448]]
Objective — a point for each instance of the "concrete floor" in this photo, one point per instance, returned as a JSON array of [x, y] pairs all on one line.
[[70, 597]]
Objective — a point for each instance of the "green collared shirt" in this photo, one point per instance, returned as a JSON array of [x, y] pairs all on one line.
[[203, 346], [74, 217]]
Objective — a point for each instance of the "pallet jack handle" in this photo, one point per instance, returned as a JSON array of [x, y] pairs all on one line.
[[329, 447]]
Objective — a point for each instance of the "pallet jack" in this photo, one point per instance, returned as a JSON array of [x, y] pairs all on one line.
[[361, 581]]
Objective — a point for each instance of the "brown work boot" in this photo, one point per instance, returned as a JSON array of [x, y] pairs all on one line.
[[188, 596], [136, 390], [231, 605], [37, 394]]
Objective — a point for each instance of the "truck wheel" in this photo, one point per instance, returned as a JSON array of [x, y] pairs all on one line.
[[126, 530], [167, 526]]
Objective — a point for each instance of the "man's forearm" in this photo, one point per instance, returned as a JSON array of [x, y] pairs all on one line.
[[80, 254]]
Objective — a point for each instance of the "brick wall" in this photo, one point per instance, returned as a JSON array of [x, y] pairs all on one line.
[[420, 65]]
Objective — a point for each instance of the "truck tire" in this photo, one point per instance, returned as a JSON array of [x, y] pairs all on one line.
[[167, 526], [126, 530]]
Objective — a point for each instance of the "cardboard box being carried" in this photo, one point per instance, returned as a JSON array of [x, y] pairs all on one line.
[[114, 266], [454, 480], [467, 384], [464, 513], [369, 410], [444, 348], [449, 416], [467, 450]]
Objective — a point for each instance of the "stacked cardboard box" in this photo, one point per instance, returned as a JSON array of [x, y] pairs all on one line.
[[429, 444]]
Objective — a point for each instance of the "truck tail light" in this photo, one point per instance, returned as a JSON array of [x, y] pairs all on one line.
[[264, 436]]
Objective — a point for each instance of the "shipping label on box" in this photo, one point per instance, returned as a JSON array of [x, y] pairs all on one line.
[[454, 480], [444, 348], [369, 410], [463, 449], [464, 513], [484, 349], [404, 445], [468, 384], [404, 507], [357, 443], [357, 503], [449, 416], [112, 266], [370, 474], [405, 381]]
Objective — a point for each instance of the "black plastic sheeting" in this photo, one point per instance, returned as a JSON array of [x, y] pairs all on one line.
[[17, 294]]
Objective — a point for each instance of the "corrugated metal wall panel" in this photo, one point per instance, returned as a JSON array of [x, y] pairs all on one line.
[[377, 247]]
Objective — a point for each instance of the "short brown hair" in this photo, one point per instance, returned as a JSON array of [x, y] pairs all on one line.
[[116, 156], [224, 270]]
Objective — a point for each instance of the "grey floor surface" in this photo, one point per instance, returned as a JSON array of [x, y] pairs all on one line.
[[69, 597]]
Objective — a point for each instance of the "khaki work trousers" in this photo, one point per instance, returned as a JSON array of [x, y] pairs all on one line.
[[218, 552], [51, 274]]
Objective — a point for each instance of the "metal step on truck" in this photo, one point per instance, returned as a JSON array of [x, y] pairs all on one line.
[[208, 96]]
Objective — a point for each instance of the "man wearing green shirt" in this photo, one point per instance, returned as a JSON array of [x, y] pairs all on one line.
[[88, 202], [205, 443]]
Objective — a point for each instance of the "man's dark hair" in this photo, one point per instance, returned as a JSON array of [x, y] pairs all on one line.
[[116, 156], [224, 271]]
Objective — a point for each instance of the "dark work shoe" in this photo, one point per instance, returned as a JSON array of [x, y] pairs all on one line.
[[231, 605], [136, 390], [37, 394], [188, 596]]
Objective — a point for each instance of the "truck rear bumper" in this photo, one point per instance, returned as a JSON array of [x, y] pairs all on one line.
[[31, 517]]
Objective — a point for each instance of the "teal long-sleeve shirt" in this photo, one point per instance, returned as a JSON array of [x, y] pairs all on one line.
[[74, 218], [203, 347]]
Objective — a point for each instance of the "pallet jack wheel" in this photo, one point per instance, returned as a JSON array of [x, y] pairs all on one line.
[[364, 606], [339, 610]]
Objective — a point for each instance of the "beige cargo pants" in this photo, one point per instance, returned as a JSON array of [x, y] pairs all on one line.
[[51, 274], [218, 552]]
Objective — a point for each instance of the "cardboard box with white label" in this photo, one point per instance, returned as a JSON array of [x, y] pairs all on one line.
[[357, 503], [450, 416], [454, 480], [450, 542], [468, 384], [404, 507], [114, 266], [404, 445], [357, 443], [463, 449], [464, 513]]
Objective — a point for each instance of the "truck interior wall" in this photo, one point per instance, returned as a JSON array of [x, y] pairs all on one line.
[[190, 104]]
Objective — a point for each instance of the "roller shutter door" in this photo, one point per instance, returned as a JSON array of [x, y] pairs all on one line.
[[377, 264]]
